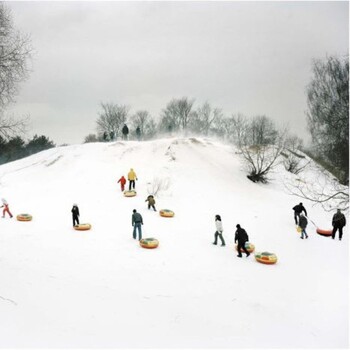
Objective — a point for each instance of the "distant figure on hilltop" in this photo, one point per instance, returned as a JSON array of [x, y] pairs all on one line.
[[132, 177], [122, 181], [112, 135], [219, 231], [151, 202], [297, 210], [136, 221], [105, 136], [338, 222], [6, 209], [125, 132], [302, 224], [75, 214], [138, 133], [241, 236]]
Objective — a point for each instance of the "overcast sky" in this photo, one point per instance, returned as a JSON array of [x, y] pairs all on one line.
[[248, 57]]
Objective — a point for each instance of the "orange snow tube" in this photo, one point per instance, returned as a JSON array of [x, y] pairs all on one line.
[[82, 227], [166, 213], [149, 243], [326, 233], [131, 193], [24, 217], [249, 246], [266, 258]]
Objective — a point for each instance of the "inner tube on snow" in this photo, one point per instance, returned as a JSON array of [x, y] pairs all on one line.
[[24, 217], [82, 227], [131, 193], [326, 233], [166, 213], [149, 243], [266, 258], [249, 246]]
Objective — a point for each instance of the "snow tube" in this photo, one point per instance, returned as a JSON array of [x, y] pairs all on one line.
[[266, 258], [326, 233], [82, 227], [149, 243], [299, 229], [249, 246], [24, 217], [166, 213], [131, 193]]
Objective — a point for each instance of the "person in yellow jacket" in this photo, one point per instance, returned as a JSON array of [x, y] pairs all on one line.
[[132, 177]]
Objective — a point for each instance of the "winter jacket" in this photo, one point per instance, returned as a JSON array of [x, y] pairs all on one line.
[[299, 208], [132, 175], [303, 222], [241, 236], [125, 130], [122, 180], [151, 200], [339, 220], [136, 218], [218, 224], [75, 211]]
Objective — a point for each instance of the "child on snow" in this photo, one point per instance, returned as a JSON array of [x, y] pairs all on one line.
[[302, 225], [151, 202], [219, 231], [122, 181], [6, 208], [75, 214]]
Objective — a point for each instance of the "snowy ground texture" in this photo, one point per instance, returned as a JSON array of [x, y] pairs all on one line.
[[99, 288]]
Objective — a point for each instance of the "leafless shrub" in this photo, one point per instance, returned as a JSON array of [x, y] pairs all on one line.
[[158, 185]]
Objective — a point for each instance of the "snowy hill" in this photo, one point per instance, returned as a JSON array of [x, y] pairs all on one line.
[[99, 288]]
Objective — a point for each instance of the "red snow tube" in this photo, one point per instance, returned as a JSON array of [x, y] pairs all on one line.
[[326, 233]]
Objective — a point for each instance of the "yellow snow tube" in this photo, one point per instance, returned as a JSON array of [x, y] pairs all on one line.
[[149, 243], [24, 217], [266, 258], [131, 193], [166, 213], [82, 227]]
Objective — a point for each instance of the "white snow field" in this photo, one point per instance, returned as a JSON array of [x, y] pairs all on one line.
[[99, 289]]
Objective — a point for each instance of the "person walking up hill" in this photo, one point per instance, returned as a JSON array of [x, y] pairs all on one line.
[[6, 209], [241, 236], [132, 177], [297, 210], [302, 224], [136, 221], [151, 202], [75, 214], [338, 222], [122, 181], [218, 232]]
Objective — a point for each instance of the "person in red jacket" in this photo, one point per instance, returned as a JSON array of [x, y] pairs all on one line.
[[6, 208], [122, 181]]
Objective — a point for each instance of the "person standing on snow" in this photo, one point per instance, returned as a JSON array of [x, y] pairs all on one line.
[[6, 208], [138, 133], [297, 210], [125, 132], [122, 181], [132, 177], [338, 222], [219, 231], [136, 222], [151, 202], [302, 224], [241, 236], [75, 214]]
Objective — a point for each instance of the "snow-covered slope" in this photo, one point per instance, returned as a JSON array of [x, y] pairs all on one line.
[[99, 288]]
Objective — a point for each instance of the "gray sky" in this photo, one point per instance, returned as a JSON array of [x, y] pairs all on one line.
[[248, 57]]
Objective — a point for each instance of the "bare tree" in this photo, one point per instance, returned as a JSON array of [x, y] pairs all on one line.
[[294, 161], [259, 149], [10, 126], [204, 118], [112, 118], [15, 49], [158, 184], [145, 122], [177, 114]]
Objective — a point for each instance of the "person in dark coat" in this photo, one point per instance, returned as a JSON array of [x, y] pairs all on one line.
[[241, 237], [112, 135], [297, 210], [151, 202], [125, 132], [105, 136], [138, 133], [136, 221], [219, 231], [302, 224], [338, 222], [75, 213]]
